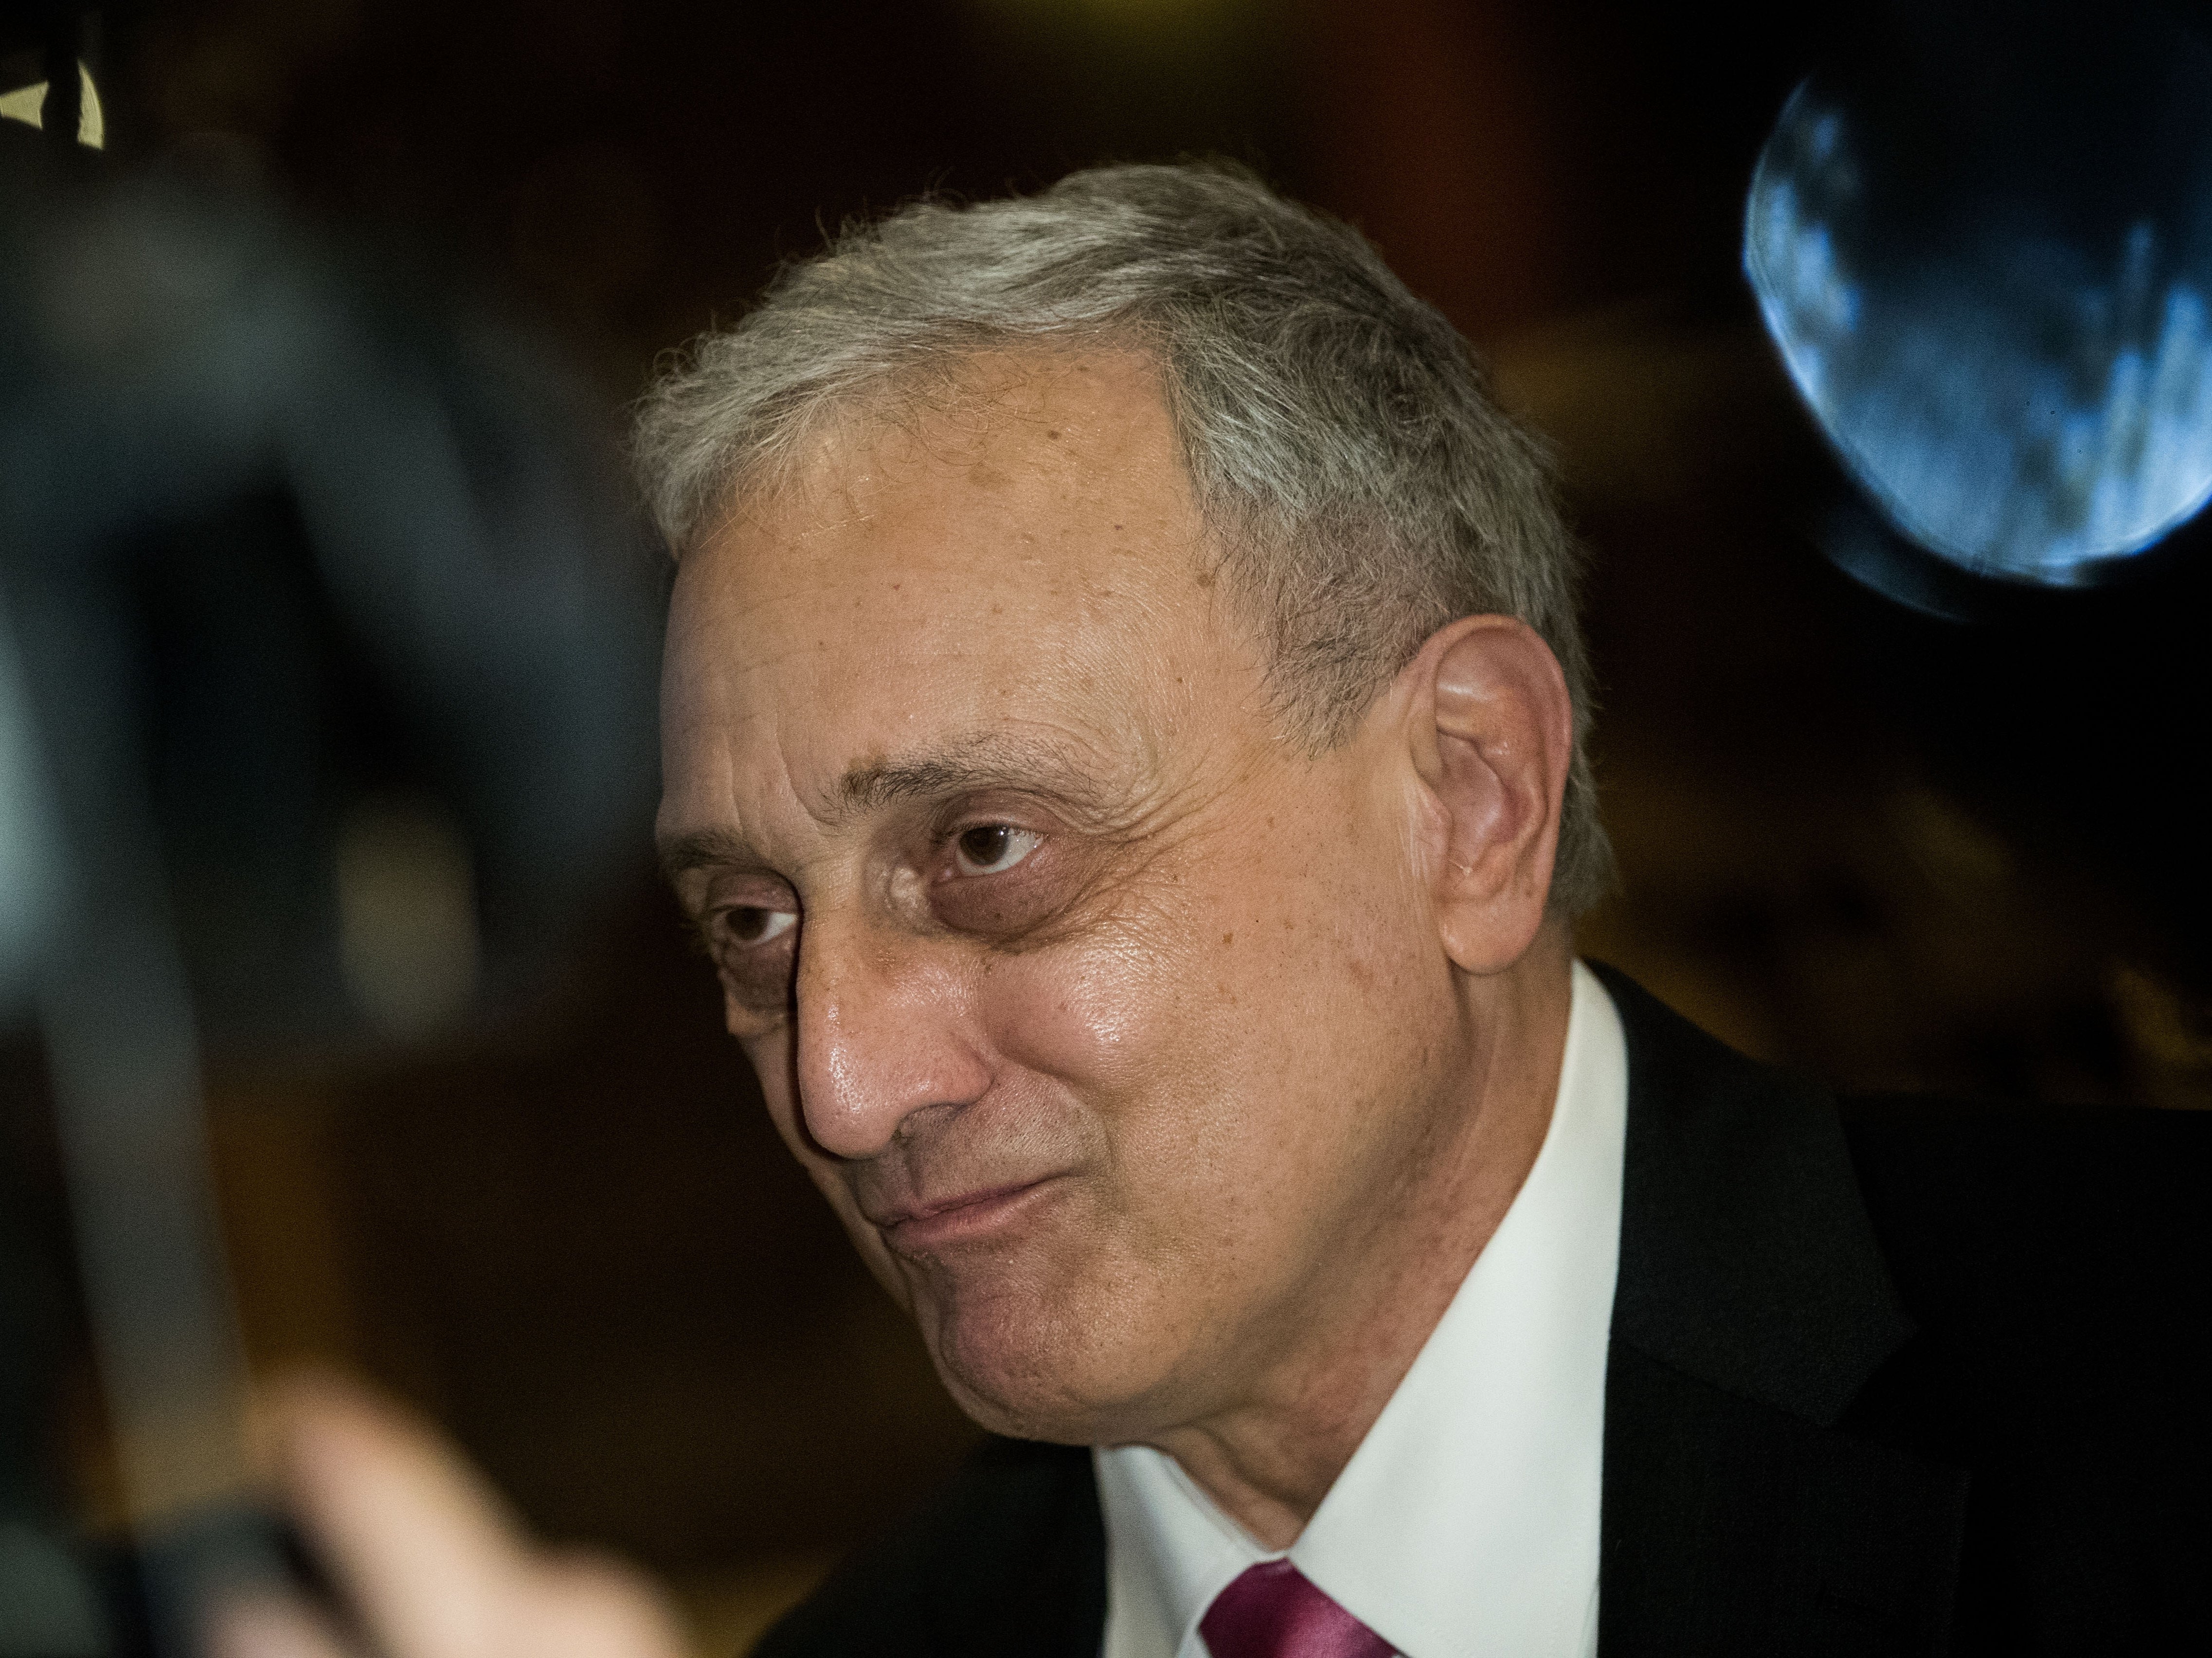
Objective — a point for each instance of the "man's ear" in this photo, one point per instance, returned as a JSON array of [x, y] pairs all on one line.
[[1491, 730]]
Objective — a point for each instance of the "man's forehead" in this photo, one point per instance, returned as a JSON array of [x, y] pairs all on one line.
[[1020, 603], [1028, 524], [1016, 436]]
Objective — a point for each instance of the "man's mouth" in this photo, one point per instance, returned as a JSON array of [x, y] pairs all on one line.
[[985, 1212]]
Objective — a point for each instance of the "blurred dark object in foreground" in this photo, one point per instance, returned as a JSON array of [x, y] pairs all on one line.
[[334, 570], [326, 707]]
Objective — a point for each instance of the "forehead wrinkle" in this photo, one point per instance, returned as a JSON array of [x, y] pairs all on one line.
[[726, 843], [707, 849], [986, 760]]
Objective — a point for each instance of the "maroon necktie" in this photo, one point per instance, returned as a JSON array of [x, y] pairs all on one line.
[[1271, 1611]]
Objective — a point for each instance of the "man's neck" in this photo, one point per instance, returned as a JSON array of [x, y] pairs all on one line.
[[1268, 1460]]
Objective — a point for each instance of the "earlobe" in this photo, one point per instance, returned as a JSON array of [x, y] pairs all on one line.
[[1491, 730]]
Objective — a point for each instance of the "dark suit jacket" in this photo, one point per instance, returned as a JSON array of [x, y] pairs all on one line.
[[1886, 1376]]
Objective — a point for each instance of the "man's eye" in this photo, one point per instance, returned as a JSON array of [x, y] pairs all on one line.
[[993, 848], [750, 925]]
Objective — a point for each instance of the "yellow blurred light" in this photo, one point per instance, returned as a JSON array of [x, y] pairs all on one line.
[[407, 925], [27, 104]]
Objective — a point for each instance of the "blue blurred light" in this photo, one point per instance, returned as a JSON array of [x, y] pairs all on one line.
[[2022, 401]]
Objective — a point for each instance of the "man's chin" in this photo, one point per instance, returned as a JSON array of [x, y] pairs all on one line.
[[1034, 1367]]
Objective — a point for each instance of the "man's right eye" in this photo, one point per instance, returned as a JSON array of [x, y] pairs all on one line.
[[753, 948], [750, 924]]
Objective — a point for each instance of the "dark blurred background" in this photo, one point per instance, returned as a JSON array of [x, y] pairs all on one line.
[[1895, 849]]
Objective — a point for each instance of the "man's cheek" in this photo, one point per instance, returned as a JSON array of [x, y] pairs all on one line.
[[1092, 1018]]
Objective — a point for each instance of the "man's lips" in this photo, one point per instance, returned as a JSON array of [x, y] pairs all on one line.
[[963, 1219]]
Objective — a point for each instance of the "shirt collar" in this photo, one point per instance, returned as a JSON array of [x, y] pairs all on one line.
[[1466, 1525]]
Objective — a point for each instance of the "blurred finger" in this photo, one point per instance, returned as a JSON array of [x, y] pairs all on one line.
[[583, 1606], [424, 1553], [272, 1626]]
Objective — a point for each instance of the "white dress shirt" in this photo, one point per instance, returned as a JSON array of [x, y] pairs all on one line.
[[1466, 1525]]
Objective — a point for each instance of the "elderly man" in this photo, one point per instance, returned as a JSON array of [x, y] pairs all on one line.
[[1124, 724]]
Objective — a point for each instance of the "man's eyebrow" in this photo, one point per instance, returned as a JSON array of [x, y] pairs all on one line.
[[984, 762], [988, 761], [702, 849]]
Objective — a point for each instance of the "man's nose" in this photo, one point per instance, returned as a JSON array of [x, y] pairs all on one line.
[[883, 1033]]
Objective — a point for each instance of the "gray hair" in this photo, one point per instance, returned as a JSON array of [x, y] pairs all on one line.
[[1362, 486]]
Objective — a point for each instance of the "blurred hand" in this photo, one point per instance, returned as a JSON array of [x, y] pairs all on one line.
[[423, 1552]]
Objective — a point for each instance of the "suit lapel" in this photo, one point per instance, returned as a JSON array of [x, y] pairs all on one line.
[[1753, 1305], [1031, 1578]]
